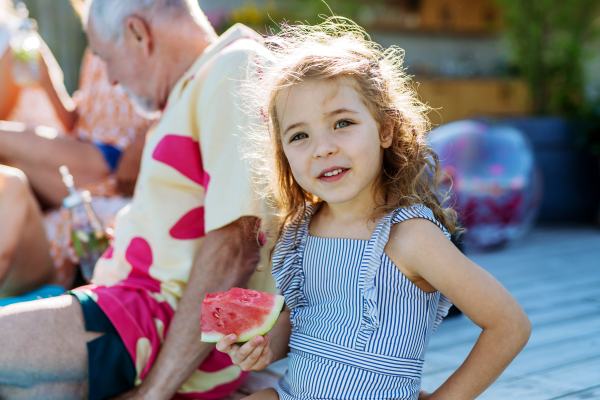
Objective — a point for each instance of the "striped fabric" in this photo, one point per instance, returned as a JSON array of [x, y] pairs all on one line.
[[360, 327]]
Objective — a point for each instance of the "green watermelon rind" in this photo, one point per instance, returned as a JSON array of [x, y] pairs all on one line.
[[214, 337]]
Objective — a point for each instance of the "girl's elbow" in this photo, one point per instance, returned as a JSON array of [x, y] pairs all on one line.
[[522, 330]]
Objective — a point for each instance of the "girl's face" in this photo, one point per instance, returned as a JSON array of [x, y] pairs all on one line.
[[331, 140]]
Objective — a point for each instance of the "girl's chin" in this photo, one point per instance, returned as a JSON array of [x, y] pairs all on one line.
[[337, 199]]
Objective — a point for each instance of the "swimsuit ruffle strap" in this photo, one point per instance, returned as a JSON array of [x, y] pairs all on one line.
[[368, 271], [370, 267], [443, 307], [287, 262]]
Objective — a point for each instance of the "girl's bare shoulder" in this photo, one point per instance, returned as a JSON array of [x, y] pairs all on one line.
[[410, 245], [415, 235]]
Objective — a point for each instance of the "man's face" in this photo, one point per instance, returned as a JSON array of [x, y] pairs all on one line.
[[128, 66]]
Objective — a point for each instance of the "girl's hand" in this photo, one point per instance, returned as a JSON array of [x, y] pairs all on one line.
[[254, 355], [423, 395]]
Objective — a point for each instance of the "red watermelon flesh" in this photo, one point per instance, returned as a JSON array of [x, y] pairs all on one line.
[[243, 312]]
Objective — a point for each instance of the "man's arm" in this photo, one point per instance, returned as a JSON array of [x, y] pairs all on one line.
[[227, 258]]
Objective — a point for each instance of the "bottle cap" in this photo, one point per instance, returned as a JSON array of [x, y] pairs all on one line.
[[73, 200], [77, 199]]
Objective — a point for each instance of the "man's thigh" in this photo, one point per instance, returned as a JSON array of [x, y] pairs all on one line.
[[43, 350]]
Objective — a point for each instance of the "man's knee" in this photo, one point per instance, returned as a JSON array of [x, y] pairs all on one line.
[[13, 182], [43, 341], [8, 132]]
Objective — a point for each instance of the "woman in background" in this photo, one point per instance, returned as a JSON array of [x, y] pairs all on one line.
[[100, 141], [17, 103]]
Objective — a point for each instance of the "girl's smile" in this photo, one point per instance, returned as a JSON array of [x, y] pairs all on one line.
[[331, 140], [332, 174]]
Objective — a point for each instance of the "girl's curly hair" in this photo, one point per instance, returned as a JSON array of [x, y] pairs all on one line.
[[340, 50]]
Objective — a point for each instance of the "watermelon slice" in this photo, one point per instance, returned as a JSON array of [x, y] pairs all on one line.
[[244, 312]]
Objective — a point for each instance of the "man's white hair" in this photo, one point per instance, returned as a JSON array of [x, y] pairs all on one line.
[[109, 15]]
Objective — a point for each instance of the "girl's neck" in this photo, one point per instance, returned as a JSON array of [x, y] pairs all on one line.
[[346, 213], [351, 220]]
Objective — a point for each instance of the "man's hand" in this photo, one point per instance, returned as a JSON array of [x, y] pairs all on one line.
[[227, 257], [129, 166], [254, 355]]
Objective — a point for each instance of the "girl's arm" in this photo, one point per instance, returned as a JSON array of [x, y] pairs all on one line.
[[421, 251], [261, 351], [51, 80]]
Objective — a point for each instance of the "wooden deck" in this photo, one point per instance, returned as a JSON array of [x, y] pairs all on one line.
[[554, 273]]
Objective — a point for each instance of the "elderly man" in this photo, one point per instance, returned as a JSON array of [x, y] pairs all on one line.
[[190, 230]]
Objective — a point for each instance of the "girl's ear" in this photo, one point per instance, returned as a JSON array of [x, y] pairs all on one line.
[[386, 136]]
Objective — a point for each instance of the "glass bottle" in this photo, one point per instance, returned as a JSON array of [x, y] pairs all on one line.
[[88, 235], [25, 45]]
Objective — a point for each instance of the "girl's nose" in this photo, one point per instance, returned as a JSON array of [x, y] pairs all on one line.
[[324, 147]]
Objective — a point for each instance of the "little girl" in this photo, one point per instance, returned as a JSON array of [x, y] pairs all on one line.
[[363, 253]]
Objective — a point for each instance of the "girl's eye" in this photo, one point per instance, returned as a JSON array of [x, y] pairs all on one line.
[[298, 136], [342, 124]]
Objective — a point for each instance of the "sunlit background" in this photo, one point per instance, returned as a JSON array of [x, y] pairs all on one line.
[[515, 91], [534, 65]]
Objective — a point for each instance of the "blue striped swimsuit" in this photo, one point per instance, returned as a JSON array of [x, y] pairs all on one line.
[[359, 326]]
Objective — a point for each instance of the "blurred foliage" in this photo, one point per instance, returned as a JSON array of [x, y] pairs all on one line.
[[549, 39], [268, 15], [590, 137]]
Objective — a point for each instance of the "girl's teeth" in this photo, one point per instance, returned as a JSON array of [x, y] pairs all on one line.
[[333, 173]]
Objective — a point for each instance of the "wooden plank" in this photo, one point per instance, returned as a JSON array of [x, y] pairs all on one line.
[[547, 241], [529, 361], [556, 382], [549, 384], [547, 245], [589, 393], [539, 268], [542, 269], [465, 331], [549, 301], [571, 322], [549, 326], [520, 266], [557, 344]]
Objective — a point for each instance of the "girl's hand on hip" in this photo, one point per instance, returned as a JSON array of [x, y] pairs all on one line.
[[254, 355]]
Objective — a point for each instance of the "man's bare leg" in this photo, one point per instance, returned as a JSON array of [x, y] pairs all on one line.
[[25, 262], [40, 157], [43, 352]]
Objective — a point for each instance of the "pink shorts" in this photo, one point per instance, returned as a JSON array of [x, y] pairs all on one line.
[[143, 323]]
